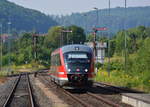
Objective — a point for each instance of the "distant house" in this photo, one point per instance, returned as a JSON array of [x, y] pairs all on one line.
[[100, 50], [4, 37]]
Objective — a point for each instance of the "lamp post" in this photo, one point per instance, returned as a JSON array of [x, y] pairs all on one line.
[[85, 15], [97, 17], [1, 32]]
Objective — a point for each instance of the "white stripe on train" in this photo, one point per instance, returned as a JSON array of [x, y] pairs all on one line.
[[58, 78]]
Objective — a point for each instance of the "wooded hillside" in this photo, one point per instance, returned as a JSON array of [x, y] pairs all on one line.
[[23, 19]]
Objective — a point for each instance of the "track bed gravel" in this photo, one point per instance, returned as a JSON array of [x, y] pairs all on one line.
[[44, 96], [47, 94], [5, 89], [115, 97], [61, 95], [111, 95], [39, 97]]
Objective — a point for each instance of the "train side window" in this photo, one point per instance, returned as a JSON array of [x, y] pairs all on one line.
[[58, 60], [55, 60]]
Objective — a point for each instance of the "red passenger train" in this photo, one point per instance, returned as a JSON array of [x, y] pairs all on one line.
[[72, 66]]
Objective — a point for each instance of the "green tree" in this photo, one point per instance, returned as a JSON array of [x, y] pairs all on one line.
[[77, 36], [119, 43], [53, 39], [143, 57]]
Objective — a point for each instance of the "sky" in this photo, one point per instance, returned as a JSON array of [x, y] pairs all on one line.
[[66, 7]]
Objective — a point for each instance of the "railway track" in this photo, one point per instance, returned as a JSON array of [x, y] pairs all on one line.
[[92, 100], [21, 93], [86, 99]]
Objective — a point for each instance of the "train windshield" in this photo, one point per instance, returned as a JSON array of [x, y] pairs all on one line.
[[77, 57]]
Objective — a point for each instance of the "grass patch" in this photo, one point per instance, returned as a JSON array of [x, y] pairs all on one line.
[[28, 67], [21, 68], [3, 73], [136, 80], [6, 72]]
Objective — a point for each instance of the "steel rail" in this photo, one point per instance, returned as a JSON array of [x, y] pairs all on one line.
[[99, 98], [77, 99], [30, 92], [9, 98], [104, 100], [71, 95]]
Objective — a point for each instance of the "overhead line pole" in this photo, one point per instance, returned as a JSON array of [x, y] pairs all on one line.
[[9, 44], [109, 43], [1, 26], [125, 44]]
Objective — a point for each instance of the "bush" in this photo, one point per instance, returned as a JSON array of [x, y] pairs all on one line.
[[98, 65], [114, 65]]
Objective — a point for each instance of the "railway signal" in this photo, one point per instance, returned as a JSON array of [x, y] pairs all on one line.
[[94, 41], [34, 42], [65, 31], [100, 29]]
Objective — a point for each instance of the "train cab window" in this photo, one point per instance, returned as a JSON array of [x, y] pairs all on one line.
[[55, 60], [74, 57], [77, 55]]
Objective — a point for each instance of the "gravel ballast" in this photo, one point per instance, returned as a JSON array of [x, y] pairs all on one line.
[[5, 89], [44, 96]]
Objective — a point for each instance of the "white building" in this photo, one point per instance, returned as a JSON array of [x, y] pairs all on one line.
[[100, 50]]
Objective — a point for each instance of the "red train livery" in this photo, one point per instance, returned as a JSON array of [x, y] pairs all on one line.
[[72, 66]]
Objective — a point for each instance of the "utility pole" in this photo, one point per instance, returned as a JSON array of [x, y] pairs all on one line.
[[1, 65], [125, 42], [34, 47], [9, 45]]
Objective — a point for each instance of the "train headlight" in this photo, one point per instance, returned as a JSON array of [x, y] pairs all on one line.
[[69, 70], [86, 70]]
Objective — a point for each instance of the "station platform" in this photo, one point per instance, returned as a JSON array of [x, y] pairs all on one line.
[[136, 99]]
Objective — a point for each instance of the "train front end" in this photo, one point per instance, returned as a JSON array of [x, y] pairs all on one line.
[[79, 65]]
